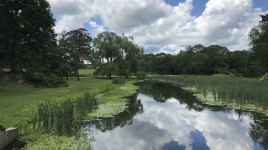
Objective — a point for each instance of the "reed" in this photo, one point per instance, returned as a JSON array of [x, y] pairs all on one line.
[[63, 117], [223, 87]]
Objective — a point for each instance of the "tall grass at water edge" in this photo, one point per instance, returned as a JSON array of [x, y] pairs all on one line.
[[64, 117], [226, 88]]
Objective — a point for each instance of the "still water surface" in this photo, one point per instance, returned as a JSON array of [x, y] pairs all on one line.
[[165, 117]]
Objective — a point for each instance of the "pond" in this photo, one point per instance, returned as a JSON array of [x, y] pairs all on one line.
[[162, 116]]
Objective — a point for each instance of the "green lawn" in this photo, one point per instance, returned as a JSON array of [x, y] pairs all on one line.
[[86, 72], [17, 101]]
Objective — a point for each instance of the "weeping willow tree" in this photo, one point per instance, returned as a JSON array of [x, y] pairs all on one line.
[[116, 55]]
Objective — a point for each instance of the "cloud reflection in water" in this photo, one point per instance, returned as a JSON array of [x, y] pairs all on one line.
[[171, 125]]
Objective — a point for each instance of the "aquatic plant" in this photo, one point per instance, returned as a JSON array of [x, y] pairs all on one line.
[[63, 117], [227, 88]]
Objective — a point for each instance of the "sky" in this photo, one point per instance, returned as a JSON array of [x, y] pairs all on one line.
[[164, 25]]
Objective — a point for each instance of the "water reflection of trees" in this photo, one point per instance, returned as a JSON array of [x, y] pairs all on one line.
[[162, 91], [124, 118], [258, 131]]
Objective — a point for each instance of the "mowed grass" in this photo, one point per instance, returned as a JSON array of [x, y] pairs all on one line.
[[18, 100], [86, 72]]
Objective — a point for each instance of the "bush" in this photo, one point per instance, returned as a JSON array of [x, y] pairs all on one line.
[[45, 80], [141, 75], [118, 81], [53, 81]]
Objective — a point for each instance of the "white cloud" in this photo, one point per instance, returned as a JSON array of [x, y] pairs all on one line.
[[161, 123], [153, 23]]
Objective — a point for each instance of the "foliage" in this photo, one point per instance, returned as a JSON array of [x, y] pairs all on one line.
[[141, 75], [45, 80], [28, 41], [64, 117], [259, 42], [227, 88], [76, 47], [56, 142], [108, 46], [18, 99], [116, 55], [118, 81], [113, 101], [199, 59]]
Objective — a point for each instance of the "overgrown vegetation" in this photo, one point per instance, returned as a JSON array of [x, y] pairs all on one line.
[[64, 117], [229, 89]]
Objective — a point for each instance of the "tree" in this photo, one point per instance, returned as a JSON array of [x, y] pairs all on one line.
[[259, 41], [77, 46], [215, 61], [117, 55], [27, 38], [108, 46], [26, 32], [131, 54], [238, 62], [10, 32]]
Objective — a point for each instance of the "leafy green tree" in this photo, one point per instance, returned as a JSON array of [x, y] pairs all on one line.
[[238, 62], [117, 55], [259, 42], [77, 47], [26, 33], [28, 41], [107, 46], [132, 56], [149, 59], [10, 32]]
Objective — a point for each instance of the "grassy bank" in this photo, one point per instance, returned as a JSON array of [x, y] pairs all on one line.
[[18, 100], [230, 91]]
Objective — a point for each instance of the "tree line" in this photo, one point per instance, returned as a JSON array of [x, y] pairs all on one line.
[[30, 46], [199, 59], [213, 59]]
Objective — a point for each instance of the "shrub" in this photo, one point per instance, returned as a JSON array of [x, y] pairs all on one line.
[[45, 80], [53, 81], [141, 75], [118, 81]]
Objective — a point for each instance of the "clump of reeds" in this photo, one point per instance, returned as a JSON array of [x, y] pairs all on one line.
[[227, 88], [63, 117]]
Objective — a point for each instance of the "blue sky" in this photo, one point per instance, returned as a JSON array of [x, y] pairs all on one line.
[[200, 5], [165, 26]]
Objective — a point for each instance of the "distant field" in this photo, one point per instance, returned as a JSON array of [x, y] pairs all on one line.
[[86, 72]]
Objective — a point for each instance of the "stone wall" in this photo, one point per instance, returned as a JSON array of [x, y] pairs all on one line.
[[4, 76]]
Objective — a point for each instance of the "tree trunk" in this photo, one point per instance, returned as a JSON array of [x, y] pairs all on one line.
[[110, 74], [77, 74]]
